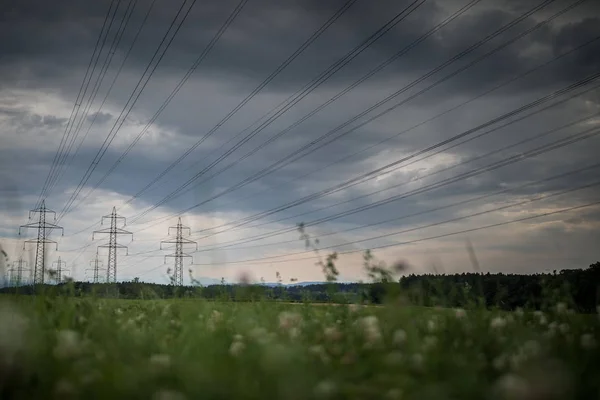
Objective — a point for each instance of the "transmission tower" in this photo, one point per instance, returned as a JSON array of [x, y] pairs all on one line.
[[44, 229], [59, 269], [179, 241], [113, 232], [16, 272], [96, 262]]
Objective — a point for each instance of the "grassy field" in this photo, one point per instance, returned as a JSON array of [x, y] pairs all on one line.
[[192, 349]]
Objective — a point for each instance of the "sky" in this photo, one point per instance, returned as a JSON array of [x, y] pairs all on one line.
[[413, 128]]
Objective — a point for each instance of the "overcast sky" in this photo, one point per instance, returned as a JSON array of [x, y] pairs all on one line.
[[461, 79]]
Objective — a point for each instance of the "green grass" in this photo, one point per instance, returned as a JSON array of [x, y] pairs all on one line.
[[178, 349]]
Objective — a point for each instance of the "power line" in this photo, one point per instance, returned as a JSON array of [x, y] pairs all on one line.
[[480, 228], [378, 171], [297, 97], [99, 80], [178, 87], [429, 175], [469, 174], [460, 105], [251, 95], [297, 154], [133, 98], [76, 105]]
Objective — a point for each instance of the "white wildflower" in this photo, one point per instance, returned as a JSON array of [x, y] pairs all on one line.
[[238, 338], [564, 328], [289, 320], [68, 344], [319, 351], [160, 361], [12, 332], [561, 308], [325, 389], [394, 394], [394, 358], [118, 311], [64, 388], [431, 325], [236, 348], [371, 331], [588, 341], [332, 333], [399, 337], [498, 323], [168, 395], [511, 386], [429, 342], [460, 313]]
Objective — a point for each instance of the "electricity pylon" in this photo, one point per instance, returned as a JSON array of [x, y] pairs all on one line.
[[59, 269], [179, 241], [96, 270], [16, 272], [113, 231], [44, 229]]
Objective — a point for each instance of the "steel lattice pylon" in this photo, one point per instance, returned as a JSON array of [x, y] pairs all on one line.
[[44, 229], [96, 270], [113, 232], [16, 272], [59, 269], [179, 241]]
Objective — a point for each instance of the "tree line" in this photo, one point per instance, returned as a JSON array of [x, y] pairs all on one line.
[[577, 288]]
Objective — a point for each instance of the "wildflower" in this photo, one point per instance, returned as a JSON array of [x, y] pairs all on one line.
[[564, 328], [68, 344], [499, 362], [429, 342], [260, 335], [238, 338], [511, 386], [561, 308], [541, 317], [319, 351], [399, 337], [417, 360], [325, 389], [460, 313], [431, 325], [118, 311], [332, 334], [12, 331], [288, 320], [236, 348], [394, 394], [394, 358], [64, 388], [519, 312], [162, 361], [168, 395], [370, 326], [587, 341], [498, 323], [354, 308]]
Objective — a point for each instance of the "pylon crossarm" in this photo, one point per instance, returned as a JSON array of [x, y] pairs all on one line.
[[120, 231]]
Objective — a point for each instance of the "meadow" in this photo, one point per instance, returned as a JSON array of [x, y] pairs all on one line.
[[92, 348]]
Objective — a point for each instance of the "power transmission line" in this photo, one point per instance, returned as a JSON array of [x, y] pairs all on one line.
[[480, 228], [297, 154], [99, 80], [44, 229], [112, 245], [76, 105], [251, 95], [298, 96], [379, 171], [174, 92], [133, 98]]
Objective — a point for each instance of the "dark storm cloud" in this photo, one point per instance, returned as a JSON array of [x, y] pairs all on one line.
[[46, 38]]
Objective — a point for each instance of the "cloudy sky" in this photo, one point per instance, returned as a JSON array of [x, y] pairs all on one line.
[[379, 124]]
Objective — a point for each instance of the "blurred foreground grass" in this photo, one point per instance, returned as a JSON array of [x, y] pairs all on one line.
[[191, 349]]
